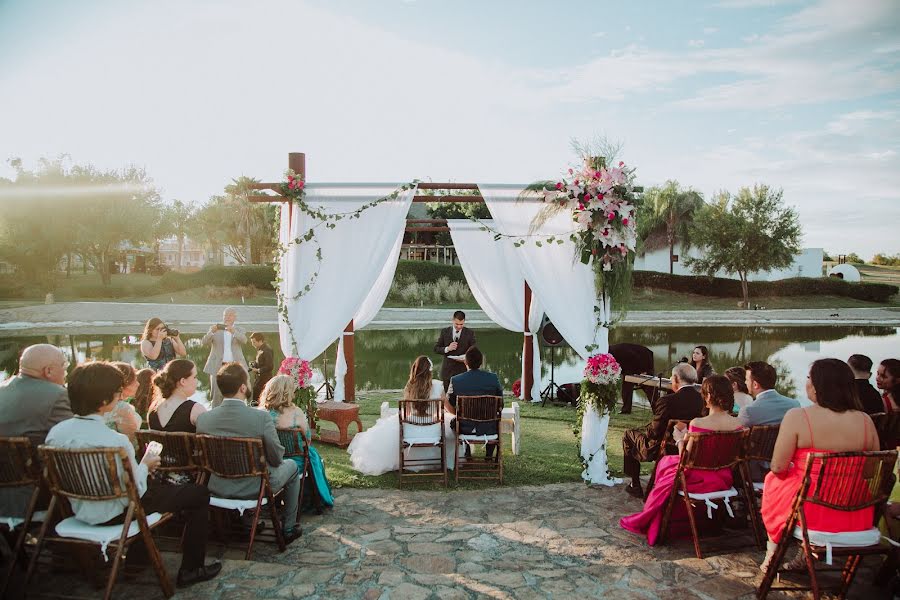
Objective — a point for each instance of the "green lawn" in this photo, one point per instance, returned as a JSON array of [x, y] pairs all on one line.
[[549, 452]]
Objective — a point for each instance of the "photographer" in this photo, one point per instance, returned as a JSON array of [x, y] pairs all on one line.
[[225, 340], [159, 344], [263, 365]]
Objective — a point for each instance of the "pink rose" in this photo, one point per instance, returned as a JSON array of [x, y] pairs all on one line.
[[624, 221]]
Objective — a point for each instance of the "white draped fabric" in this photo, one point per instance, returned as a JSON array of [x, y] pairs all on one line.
[[566, 289], [370, 307], [494, 274], [354, 256]]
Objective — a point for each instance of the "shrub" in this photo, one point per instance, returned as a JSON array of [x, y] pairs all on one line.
[[217, 293], [258, 276], [11, 289], [412, 293], [796, 286], [425, 271]]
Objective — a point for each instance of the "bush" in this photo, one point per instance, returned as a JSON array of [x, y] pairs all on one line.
[[11, 289], [219, 293], [796, 286], [425, 271], [258, 276]]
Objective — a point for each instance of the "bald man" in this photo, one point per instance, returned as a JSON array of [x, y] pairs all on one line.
[[226, 340], [30, 404]]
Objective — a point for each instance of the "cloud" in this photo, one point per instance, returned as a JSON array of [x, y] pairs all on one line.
[[600, 34], [710, 30], [695, 43]]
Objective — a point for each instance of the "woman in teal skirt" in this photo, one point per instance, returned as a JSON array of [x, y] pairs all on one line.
[[277, 398]]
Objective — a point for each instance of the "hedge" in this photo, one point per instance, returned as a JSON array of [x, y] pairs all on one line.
[[259, 276], [796, 286], [428, 272]]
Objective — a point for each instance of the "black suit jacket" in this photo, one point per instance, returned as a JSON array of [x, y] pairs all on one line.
[[450, 367], [265, 362], [475, 383], [684, 404], [633, 358], [871, 400]]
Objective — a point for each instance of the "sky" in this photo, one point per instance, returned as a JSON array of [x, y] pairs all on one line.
[[717, 94]]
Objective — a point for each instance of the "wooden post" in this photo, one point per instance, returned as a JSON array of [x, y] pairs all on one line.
[[297, 163], [350, 377], [528, 350]]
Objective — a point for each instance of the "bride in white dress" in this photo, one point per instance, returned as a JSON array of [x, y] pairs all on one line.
[[376, 450]]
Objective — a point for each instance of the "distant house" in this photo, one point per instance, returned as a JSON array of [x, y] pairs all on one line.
[[194, 255]]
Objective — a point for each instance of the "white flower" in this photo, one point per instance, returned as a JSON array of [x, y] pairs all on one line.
[[584, 220]]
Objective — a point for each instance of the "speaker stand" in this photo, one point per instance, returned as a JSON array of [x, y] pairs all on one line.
[[329, 389], [551, 392]]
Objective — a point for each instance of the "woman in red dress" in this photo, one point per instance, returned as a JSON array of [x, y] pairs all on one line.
[[834, 423]]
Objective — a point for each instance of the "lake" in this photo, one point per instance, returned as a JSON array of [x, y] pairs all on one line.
[[383, 357]]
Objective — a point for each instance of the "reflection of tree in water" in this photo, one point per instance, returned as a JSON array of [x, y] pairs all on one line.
[[785, 385]]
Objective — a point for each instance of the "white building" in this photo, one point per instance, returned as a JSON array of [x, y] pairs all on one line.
[[194, 255]]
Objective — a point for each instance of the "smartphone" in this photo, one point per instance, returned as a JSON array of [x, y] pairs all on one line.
[[220, 326], [154, 447]]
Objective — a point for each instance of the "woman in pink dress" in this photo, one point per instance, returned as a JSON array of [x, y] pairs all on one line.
[[834, 423], [719, 397]]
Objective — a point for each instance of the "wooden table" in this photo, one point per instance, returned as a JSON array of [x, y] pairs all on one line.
[[341, 414], [650, 381]]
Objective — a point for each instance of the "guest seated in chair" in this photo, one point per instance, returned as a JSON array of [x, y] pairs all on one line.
[[834, 423], [94, 390], [233, 418], [644, 445], [869, 398], [719, 398], [172, 409], [277, 399], [474, 382]]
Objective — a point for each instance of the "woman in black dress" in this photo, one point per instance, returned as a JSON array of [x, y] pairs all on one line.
[[700, 361], [171, 409]]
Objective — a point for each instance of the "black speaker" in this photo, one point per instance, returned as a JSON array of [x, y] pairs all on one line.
[[551, 335]]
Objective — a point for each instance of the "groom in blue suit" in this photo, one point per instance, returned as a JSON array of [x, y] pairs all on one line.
[[474, 382]]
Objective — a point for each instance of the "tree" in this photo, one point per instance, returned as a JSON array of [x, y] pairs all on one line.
[[668, 211], [209, 224], [746, 234], [179, 217], [853, 258], [454, 210], [249, 227]]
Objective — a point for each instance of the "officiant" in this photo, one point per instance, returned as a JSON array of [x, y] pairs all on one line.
[[452, 344]]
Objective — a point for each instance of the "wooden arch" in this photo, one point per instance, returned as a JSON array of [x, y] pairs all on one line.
[[297, 163]]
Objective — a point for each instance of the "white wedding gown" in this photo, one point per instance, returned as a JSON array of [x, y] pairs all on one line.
[[376, 450]]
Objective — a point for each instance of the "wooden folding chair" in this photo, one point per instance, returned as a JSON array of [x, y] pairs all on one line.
[[95, 474], [421, 426], [180, 453], [705, 452], [296, 445], [666, 448], [479, 409], [888, 427], [843, 481], [236, 458], [19, 467], [760, 446]]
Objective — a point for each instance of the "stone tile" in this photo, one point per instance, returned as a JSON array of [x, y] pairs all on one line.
[[429, 563], [409, 591]]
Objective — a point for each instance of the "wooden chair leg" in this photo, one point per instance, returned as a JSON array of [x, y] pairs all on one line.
[[155, 559], [120, 552], [276, 523], [256, 522], [774, 566], [40, 541], [500, 458], [848, 573], [17, 547], [667, 513], [456, 459], [811, 568], [306, 472], [691, 517], [750, 498]]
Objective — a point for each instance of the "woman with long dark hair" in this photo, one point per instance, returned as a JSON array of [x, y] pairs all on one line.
[[834, 422], [738, 378], [700, 361], [172, 410], [158, 346]]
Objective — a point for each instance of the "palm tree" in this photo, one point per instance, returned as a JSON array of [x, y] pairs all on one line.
[[668, 211], [180, 216]]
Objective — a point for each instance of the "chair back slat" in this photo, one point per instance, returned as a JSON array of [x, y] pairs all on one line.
[[87, 473], [888, 427], [848, 481], [479, 408], [421, 412], [232, 457], [19, 465], [761, 442], [180, 452], [714, 450], [293, 440]]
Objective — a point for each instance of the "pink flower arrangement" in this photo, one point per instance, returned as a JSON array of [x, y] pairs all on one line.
[[297, 369], [517, 387], [602, 369], [293, 184]]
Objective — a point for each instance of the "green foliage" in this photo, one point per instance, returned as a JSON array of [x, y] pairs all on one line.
[[796, 286], [853, 258], [750, 232], [885, 260], [425, 271], [668, 212], [258, 276]]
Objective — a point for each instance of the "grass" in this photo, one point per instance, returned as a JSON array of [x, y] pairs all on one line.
[[549, 452], [661, 300]]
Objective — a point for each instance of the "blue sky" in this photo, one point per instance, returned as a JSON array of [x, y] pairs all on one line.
[[718, 94]]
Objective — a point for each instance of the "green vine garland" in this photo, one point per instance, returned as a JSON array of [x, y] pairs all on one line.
[[603, 398]]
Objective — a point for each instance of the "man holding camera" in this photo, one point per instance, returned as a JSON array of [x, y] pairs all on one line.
[[226, 340], [264, 364]]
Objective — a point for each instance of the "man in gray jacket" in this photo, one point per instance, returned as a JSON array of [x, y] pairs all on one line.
[[233, 418], [769, 406], [31, 403], [227, 340]]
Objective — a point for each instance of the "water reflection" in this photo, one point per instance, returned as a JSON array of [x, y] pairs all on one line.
[[383, 357]]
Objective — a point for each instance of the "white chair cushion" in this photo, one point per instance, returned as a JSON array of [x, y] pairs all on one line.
[[235, 504], [13, 522], [758, 486], [478, 438], [840, 539], [431, 441], [100, 534], [708, 498]]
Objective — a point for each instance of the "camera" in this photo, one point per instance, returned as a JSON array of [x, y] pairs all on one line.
[[220, 326], [172, 332], [253, 364]]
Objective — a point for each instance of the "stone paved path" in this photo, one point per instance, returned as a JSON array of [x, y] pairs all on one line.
[[555, 541]]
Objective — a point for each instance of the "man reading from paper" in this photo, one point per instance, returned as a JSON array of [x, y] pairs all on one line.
[[452, 344]]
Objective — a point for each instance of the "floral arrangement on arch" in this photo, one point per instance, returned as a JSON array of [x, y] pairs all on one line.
[[602, 383], [305, 395]]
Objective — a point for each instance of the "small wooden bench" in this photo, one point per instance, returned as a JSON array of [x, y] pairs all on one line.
[[341, 414]]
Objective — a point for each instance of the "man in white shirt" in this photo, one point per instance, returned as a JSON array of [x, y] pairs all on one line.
[[94, 390], [226, 340]]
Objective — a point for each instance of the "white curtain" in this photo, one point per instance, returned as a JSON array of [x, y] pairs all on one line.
[[370, 307], [494, 274], [564, 285], [354, 255]]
